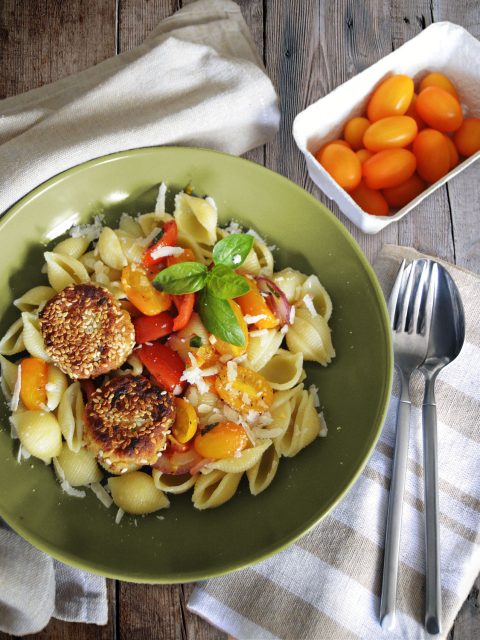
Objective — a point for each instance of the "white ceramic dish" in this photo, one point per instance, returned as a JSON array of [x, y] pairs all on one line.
[[444, 47]]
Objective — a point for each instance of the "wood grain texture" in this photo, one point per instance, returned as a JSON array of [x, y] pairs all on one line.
[[309, 48]]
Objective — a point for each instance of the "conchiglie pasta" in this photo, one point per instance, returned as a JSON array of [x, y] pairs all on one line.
[[282, 397], [173, 484], [73, 247], [304, 426], [214, 489], [259, 260], [202, 254], [56, 386], [79, 468], [238, 464], [110, 249], [63, 270], [137, 494], [39, 433], [130, 226], [135, 366], [196, 217], [13, 340], [320, 299], [289, 281], [132, 247], [34, 298], [70, 416], [262, 473], [32, 336], [88, 260], [261, 348], [149, 221], [283, 370], [310, 335], [9, 377]]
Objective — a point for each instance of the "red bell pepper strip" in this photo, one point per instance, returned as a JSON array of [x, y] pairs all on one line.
[[150, 328], [184, 304], [168, 239], [165, 365]]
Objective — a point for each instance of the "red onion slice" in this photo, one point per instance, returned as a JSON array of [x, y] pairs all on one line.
[[275, 299]]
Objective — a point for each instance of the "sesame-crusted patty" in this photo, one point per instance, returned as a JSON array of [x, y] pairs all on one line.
[[127, 421], [86, 332]]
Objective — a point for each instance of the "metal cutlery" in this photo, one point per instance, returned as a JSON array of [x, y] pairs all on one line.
[[410, 309]]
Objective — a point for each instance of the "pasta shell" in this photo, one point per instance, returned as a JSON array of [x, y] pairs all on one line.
[[149, 221], [261, 348], [39, 433], [34, 298], [303, 428], [311, 336], [289, 281], [283, 370], [137, 494], [214, 489], [88, 260], [110, 249], [63, 270], [196, 218], [73, 247], [247, 458], [71, 416], [130, 226], [32, 336], [57, 384], [79, 468], [262, 473], [13, 340], [320, 298], [173, 484], [9, 376]]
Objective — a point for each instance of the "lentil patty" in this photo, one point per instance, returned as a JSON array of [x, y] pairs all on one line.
[[86, 332]]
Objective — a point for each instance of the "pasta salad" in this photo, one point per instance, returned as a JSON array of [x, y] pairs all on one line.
[[165, 356]]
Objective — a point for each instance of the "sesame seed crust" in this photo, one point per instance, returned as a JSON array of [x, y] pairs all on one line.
[[127, 421], [86, 332]]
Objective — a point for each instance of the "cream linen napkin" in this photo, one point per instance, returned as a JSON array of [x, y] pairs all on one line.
[[196, 80], [327, 585]]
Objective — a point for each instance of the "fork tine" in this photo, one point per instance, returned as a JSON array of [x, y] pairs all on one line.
[[423, 282], [432, 289], [407, 296], [394, 295]]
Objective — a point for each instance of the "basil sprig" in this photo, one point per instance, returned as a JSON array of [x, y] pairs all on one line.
[[217, 285]]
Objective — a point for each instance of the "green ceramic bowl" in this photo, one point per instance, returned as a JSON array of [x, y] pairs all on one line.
[[187, 544]]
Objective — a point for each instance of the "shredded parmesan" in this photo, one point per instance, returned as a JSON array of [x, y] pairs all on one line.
[[16, 390], [119, 516], [323, 426], [284, 329], [237, 258], [260, 332], [253, 319], [212, 339], [70, 491], [291, 319], [101, 494], [313, 391], [163, 252], [160, 203], [13, 429], [195, 376], [308, 301], [90, 231], [233, 227], [231, 371]]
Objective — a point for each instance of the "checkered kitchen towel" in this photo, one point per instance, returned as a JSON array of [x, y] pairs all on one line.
[[327, 584]]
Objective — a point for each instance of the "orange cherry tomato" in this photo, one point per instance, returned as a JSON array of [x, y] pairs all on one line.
[[439, 109], [363, 155], [467, 138], [249, 390], [223, 440], [186, 421], [431, 150], [452, 149], [390, 133], [370, 200], [343, 165], [354, 130], [398, 197], [436, 79], [253, 303], [391, 98], [412, 113], [388, 168], [34, 377], [141, 292], [318, 153]]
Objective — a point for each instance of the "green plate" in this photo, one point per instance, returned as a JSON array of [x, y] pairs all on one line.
[[186, 544]]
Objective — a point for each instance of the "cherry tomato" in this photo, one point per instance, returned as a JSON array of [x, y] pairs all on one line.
[[390, 133], [398, 197], [223, 440], [388, 168], [370, 200], [141, 292], [433, 156], [436, 79], [412, 113], [249, 390], [363, 155], [342, 164], [452, 149], [186, 421], [354, 130], [467, 138], [344, 143], [34, 378], [391, 98], [439, 109]]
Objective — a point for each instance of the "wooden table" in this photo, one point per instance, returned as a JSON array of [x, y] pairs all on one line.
[[309, 47]]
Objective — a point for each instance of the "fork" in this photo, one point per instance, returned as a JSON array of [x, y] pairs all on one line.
[[410, 308]]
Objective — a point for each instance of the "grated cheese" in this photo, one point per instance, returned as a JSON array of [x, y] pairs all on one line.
[[237, 258], [253, 319], [70, 491], [195, 376], [119, 516], [291, 318], [231, 371], [313, 391], [101, 494], [323, 426], [308, 301], [90, 231], [260, 332], [160, 203], [284, 329], [16, 390], [13, 429], [212, 339], [163, 252]]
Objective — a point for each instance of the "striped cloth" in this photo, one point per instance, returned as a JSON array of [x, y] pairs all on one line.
[[327, 584]]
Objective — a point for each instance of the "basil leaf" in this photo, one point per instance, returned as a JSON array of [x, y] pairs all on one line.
[[183, 277], [233, 250], [196, 342], [225, 283], [218, 317]]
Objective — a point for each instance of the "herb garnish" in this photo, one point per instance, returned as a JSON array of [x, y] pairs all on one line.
[[217, 286], [196, 342]]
